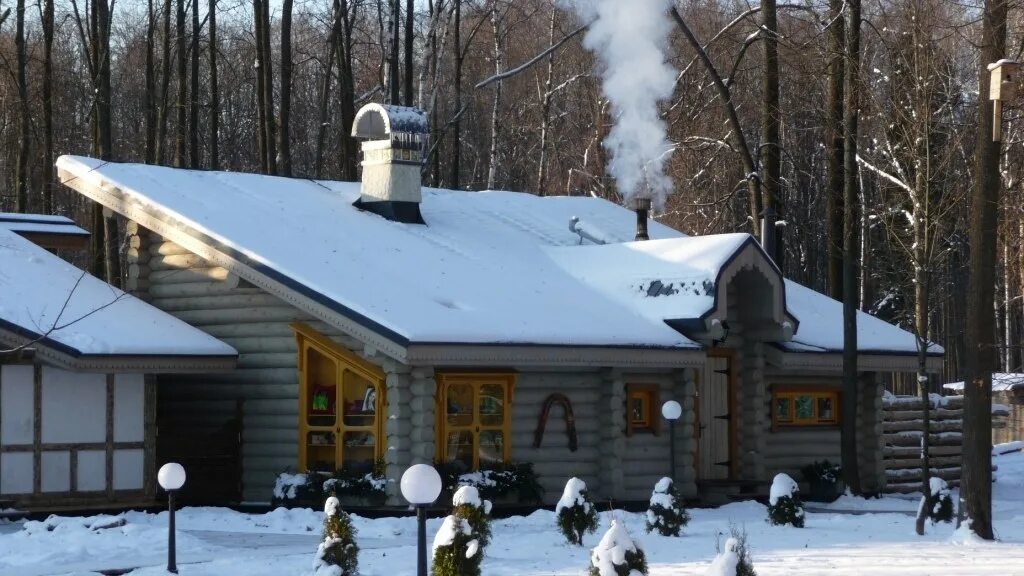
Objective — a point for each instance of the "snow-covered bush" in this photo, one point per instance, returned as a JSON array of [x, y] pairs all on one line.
[[939, 506], [824, 479], [617, 555], [456, 550], [475, 511], [735, 559], [311, 489], [576, 512], [784, 506], [338, 554], [666, 513], [504, 481]]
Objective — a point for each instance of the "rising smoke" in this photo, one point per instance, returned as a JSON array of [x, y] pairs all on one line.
[[630, 39]]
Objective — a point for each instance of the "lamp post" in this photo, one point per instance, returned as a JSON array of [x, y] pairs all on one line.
[[171, 477], [421, 485], [671, 410]]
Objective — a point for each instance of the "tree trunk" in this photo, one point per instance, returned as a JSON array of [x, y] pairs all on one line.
[[393, 73], [771, 163], [261, 107], [492, 164], [150, 94], [48, 152], [194, 155], [214, 91], [976, 482], [410, 16], [545, 119], [165, 81], [104, 141], [182, 114], [284, 132], [851, 387], [21, 165], [267, 69], [346, 86], [457, 123], [325, 92], [834, 148]]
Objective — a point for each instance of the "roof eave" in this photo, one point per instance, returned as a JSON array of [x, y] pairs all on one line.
[[552, 356], [44, 350], [870, 361]]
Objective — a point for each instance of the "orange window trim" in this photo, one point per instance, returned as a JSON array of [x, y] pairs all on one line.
[[817, 395], [649, 421], [345, 361], [475, 380]]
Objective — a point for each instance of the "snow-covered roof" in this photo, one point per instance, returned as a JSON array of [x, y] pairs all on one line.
[[1001, 382], [40, 224], [45, 299], [488, 267]]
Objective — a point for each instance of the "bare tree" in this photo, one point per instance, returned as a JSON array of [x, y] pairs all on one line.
[[21, 168], [834, 146], [851, 374], [980, 357], [284, 131], [182, 122], [214, 91]]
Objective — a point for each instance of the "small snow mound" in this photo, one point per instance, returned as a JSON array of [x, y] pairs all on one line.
[[468, 495], [472, 547], [725, 563], [964, 536], [572, 495], [663, 485], [331, 506], [451, 526], [611, 550], [782, 485]]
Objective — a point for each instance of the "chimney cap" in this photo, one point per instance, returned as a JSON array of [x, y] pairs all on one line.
[[381, 121]]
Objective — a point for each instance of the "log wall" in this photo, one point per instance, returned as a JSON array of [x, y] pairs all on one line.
[[902, 431], [265, 383]]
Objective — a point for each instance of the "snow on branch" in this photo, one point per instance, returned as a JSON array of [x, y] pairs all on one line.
[[526, 65], [885, 175]]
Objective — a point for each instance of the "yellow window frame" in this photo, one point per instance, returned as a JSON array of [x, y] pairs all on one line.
[[789, 397], [345, 361], [476, 381]]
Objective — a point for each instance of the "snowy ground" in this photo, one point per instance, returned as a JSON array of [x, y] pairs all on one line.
[[879, 539]]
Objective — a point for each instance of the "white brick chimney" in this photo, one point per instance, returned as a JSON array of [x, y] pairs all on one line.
[[394, 138]]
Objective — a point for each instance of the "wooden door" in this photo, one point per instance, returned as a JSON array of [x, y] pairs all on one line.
[[714, 423]]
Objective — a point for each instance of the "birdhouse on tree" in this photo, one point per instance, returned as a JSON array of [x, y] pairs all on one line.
[[1003, 85], [394, 139]]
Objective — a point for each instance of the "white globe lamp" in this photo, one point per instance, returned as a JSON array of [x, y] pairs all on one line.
[[171, 476], [421, 485], [671, 410]]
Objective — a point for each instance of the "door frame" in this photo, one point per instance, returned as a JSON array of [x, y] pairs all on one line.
[[730, 356]]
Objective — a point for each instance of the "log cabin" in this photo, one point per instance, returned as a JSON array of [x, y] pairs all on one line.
[[78, 366], [381, 321]]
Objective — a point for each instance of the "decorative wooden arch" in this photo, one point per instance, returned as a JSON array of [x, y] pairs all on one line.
[[570, 420]]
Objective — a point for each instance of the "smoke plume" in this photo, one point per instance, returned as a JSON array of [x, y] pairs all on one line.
[[630, 38]]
